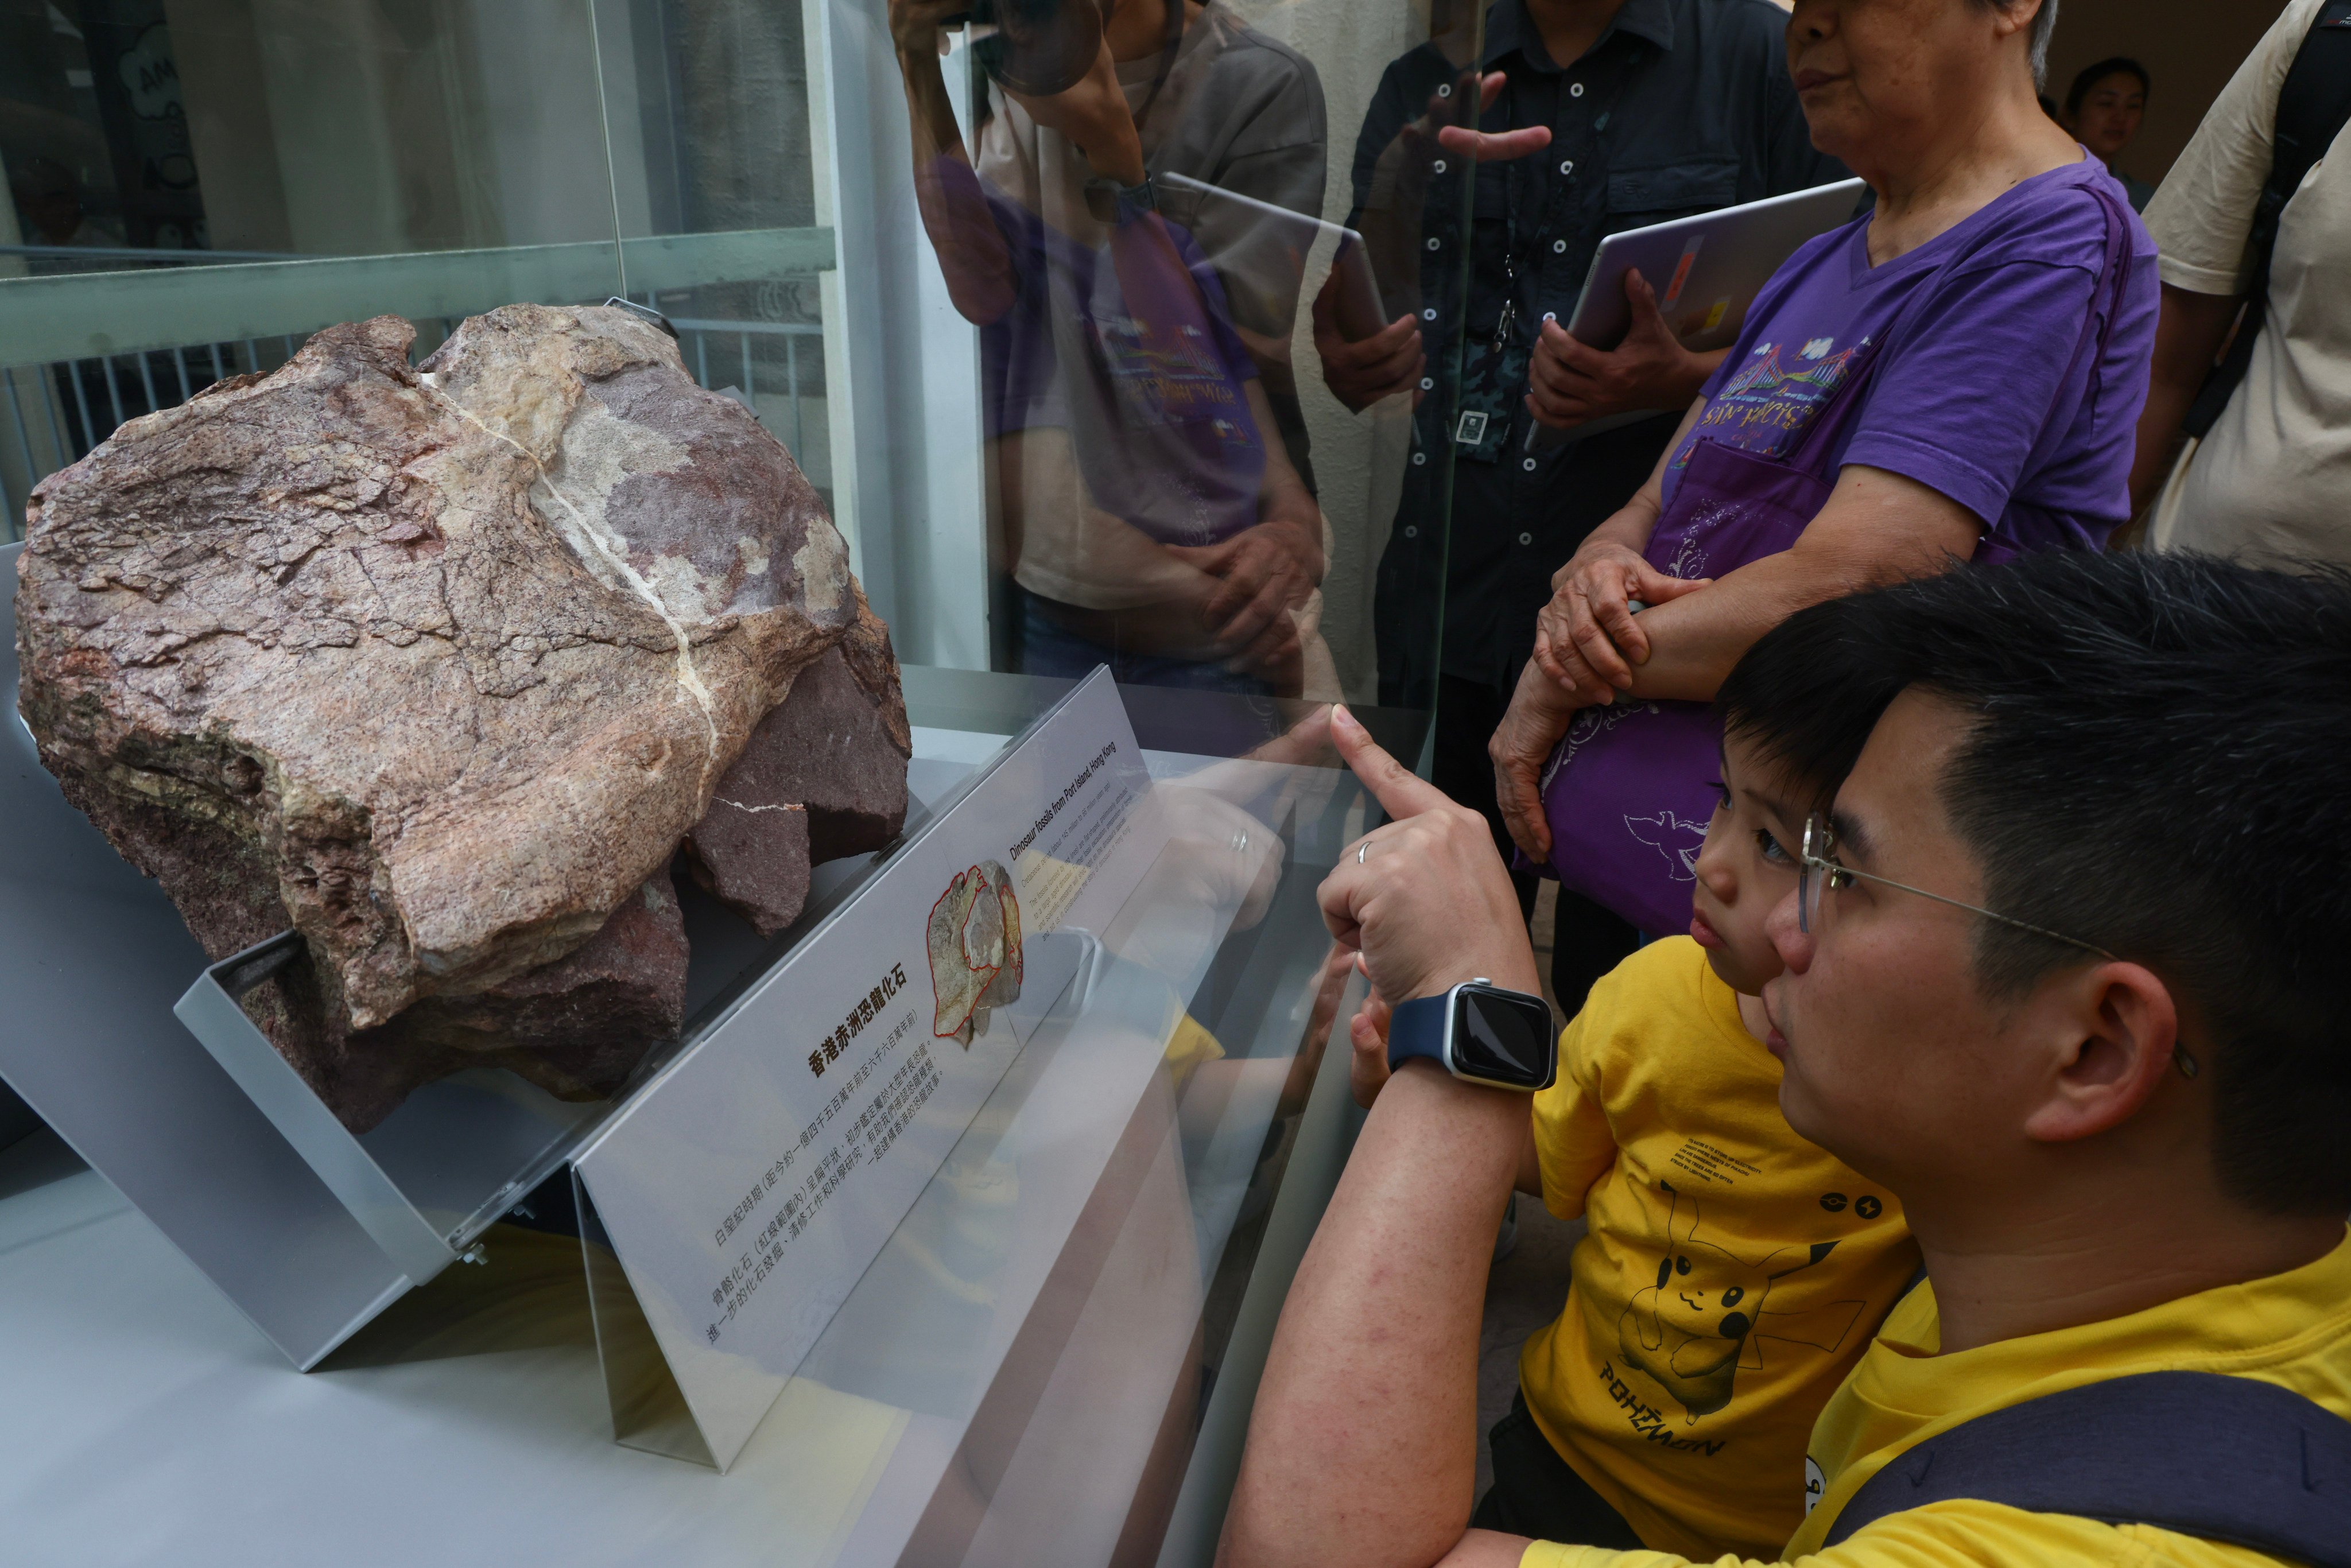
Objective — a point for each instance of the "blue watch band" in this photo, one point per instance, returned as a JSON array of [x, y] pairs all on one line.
[[1417, 1029]]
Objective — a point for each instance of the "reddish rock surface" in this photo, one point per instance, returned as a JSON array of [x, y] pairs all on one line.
[[439, 666], [752, 853]]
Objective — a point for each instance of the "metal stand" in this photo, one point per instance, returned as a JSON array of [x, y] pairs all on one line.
[[310, 1230]]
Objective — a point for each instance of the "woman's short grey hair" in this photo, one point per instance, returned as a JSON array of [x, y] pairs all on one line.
[[2044, 24]]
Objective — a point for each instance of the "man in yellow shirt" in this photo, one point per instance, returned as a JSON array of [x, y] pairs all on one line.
[[2061, 973], [1732, 1273]]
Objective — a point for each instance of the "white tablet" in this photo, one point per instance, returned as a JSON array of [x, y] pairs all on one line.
[[1359, 310], [1707, 271]]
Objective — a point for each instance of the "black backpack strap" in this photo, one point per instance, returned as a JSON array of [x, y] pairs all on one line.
[[2215, 1457], [2314, 104]]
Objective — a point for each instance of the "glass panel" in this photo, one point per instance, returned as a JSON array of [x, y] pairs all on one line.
[[1117, 441], [1062, 420], [174, 184], [710, 133]]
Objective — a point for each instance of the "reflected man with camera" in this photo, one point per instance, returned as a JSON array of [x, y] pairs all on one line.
[[1133, 335]]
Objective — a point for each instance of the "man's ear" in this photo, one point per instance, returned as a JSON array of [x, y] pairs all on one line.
[[2110, 1031]]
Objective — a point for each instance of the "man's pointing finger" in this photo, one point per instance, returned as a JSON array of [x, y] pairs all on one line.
[[1398, 790]]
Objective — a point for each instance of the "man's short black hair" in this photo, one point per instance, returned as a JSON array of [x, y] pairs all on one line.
[[2160, 764], [2091, 75]]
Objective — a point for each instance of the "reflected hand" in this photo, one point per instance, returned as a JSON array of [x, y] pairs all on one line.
[[1590, 615], [1225, 856], [915, 25], [1571, 381], [1531, 726], [1493, 146], [1360, 374], [1367, 1066], [1425, 900], [1263, 573], [1093, 114]]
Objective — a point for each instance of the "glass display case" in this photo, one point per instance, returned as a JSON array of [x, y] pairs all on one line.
[[1053, 304]]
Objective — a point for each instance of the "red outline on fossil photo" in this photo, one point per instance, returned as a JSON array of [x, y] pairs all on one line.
[[963, 987]]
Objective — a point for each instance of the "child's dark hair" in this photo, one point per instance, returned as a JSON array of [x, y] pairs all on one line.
[[2160, 764]]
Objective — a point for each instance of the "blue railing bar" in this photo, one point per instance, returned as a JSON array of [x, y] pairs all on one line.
[[288, 341], [218, 374], [89, 425], [762, 328], [50, 407], [792, 375], [114, 392], [181, 360], [24, 434], [702, 357], [135, 252], [750, 383], [147, 380]]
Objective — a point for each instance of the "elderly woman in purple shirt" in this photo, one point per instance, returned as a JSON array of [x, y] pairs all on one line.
[[1953, 377]]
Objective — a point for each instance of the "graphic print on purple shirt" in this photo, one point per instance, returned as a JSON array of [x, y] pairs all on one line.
[[1152, 389], [1983, 398], [1765, 407]]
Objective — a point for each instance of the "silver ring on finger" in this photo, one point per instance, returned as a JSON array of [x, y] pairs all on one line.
[[1362, 850]]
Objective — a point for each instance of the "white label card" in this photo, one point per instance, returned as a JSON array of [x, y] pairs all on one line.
[[749, 1185]]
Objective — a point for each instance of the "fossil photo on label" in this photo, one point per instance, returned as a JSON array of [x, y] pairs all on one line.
[[974, 941]]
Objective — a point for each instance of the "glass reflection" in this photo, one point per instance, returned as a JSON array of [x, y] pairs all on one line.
[[1131, 246]]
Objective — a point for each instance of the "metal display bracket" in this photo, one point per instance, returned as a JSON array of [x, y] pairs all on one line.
[[310, 1230]]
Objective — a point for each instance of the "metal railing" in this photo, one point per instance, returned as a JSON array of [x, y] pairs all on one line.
[[698, 334], [58, 411], [81, 351], [86, 258]]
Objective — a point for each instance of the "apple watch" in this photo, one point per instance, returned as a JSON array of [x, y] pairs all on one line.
[[1480, 1034]]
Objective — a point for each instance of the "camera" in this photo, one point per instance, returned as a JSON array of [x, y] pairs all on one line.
[[1038, 47]]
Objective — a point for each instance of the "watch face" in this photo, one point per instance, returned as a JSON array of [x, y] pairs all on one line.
[[1503, 1038]]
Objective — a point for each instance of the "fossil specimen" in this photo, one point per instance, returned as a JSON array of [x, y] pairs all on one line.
[[440, 667]]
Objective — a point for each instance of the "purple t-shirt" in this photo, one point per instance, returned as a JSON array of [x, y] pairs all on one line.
[[1973, 389]]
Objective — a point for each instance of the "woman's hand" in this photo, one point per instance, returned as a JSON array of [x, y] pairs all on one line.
[[1588, 631], [1537, 717]]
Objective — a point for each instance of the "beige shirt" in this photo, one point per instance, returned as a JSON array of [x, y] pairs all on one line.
[[2271, 482]]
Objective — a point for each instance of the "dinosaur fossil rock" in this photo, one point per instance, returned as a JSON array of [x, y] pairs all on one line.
[[439, 666]]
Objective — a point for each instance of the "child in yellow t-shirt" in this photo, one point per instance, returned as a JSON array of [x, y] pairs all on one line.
[[1732, 1273]]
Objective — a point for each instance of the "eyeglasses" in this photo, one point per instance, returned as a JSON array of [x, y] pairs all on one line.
[[1816, 875]]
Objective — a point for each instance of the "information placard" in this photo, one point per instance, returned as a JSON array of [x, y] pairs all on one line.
[[746, 1188]]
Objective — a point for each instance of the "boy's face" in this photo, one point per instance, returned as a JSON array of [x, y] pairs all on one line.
[[1748, 865]]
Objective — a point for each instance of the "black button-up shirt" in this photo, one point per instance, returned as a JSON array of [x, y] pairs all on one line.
[[1680, 107]]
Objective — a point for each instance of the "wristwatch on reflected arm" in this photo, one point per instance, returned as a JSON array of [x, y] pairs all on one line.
[[1480, 1034], [1119, 206]]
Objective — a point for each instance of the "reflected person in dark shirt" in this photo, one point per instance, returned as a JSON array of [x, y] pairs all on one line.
[[1597, 115], [1143, 429]]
